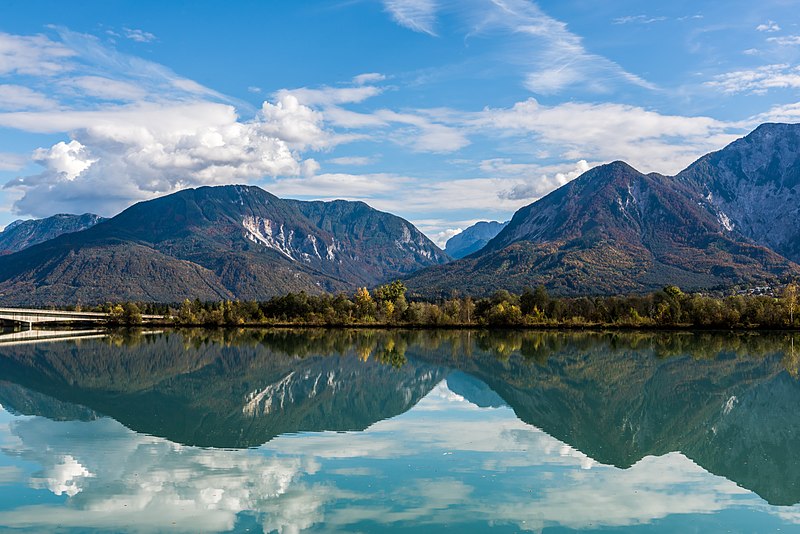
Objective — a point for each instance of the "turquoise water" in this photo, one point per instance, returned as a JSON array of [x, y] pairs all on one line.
[[377, 431]]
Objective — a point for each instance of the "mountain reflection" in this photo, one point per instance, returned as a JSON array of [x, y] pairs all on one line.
[[725, 401]]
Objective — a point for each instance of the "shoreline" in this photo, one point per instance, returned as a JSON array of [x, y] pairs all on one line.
[[598, 327]]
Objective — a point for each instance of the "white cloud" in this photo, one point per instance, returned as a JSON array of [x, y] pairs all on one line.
[[770, 27], [537, 186], [148, 149], [368, 77], [638, 19], [353, 160], [646, 139], [759, 80], [106, 88], [11, 162], [140, 36], [329, 96], [789, 113], [64, 161], [17, 97], [416, 15], [157, 485], [789, 40], [296, 124], [529, 479], [426, 135], [33, 55], [441, 238], [253, 89], [330, 186], [554, 57]]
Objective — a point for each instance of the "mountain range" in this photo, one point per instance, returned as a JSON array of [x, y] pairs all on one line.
[[732, 218], [728, 219], [212, 243], [23, 234]]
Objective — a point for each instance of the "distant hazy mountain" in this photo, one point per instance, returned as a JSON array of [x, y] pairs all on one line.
[[219, 243], [616, 230], [23, 234], [473, 238]]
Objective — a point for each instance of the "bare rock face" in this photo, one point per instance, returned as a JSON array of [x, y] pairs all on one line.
[[754, 186]]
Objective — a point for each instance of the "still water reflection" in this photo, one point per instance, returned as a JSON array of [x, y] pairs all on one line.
[[287, 431]]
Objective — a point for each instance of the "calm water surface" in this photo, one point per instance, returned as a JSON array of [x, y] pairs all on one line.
[[376, 431]]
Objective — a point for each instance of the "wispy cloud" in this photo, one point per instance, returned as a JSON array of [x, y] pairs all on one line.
[[35, 55], [789, 40], [353, 160], [416, 15], [558, 58], [140, 36], [638, 19], [759, 80], [18, 97], [553, 58]]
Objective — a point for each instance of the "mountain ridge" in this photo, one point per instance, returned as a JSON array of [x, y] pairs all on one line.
[[473, 238], [21, 234], [616, 230], [216, 243]]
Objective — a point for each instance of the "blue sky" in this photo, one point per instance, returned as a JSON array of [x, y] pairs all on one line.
[[442, 111]]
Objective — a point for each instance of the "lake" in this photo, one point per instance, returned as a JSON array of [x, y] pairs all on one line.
[[400, 431]]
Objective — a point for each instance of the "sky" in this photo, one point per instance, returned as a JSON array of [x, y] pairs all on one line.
[[445, 112]]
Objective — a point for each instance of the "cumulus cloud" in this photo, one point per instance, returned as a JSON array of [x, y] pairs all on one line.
[[759, 80], [537, 186], [416, 15], [149, 149], [150, 485], [66, 161], [441, 238]]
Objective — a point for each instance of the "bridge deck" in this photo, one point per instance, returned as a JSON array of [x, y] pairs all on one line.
[[33, 316]]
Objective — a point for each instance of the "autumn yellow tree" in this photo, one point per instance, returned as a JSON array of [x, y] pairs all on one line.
[[790, 300]]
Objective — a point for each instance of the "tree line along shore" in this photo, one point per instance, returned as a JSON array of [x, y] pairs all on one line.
[[388, 305]]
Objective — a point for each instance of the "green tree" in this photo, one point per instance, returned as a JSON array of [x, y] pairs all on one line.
[[131, 314]]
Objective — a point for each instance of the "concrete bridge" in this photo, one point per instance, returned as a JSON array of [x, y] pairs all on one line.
[[31, 317]]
